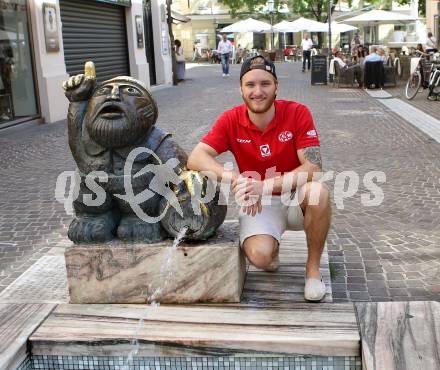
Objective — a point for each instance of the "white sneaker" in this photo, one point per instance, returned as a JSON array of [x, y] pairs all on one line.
[[227, 75], [224, 74], [314, 290]]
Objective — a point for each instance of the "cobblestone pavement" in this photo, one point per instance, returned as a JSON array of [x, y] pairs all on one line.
[[387, 252]]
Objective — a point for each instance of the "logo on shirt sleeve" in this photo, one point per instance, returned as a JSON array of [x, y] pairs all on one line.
[[285, 136], [265, 150], [312, 133]]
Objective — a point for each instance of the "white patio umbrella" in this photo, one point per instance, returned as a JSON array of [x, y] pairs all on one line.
[[341, 27], [304, 24], [247, 25], [380, 16], [283, 26]]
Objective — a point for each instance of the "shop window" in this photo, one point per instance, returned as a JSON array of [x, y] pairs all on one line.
[[17, 89]]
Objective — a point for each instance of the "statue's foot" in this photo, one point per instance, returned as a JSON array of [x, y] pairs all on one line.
[[131, 228], [92, 228]]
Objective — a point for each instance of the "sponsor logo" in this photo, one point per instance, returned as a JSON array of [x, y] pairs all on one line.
[[285, 136], [244, 141], [311, 133], [265, 150]]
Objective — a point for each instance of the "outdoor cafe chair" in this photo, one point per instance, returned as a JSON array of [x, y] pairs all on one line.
[[343, 75], [374, 74], [390, 73]]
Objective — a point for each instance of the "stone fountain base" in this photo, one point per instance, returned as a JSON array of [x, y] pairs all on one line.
[[211, 271]]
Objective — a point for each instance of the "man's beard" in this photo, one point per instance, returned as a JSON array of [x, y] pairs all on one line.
[[262, 108]]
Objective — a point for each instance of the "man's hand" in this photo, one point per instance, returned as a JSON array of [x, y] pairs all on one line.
[[248, 193]]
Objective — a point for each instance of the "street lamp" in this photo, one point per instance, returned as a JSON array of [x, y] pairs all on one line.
[[270, 6], [329, 19]]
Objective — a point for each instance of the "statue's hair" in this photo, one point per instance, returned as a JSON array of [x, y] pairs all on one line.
[[129, 80]]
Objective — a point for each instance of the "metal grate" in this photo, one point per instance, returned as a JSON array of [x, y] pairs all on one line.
[[94, 31]]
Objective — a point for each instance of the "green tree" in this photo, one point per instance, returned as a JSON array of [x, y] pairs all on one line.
[[387, 4], [316, 9]]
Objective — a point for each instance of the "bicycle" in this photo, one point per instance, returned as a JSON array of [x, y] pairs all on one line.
[[426, 75]]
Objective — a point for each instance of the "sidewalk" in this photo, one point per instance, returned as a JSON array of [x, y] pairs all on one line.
[[420, 101], [388, 252]]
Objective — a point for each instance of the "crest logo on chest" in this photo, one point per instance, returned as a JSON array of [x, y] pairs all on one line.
[[265, 150]]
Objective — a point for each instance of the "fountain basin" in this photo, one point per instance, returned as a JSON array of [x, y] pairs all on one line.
[[211, 271]]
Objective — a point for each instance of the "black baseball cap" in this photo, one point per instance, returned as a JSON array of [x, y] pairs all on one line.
[[258, 62]]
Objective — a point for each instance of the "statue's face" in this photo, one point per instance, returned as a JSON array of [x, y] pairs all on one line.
[[119, 114]]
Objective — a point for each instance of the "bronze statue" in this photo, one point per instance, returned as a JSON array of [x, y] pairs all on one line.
[[134, 183]]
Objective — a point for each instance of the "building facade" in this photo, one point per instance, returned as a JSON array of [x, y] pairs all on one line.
[[42, 43], [206, 19], [433, 17]]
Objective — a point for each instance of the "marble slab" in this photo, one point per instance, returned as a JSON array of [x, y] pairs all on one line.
[[17, 323], [400, 335], [166, 330], [212, 271]]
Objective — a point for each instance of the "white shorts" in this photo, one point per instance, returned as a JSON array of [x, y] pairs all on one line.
[[273, 220]]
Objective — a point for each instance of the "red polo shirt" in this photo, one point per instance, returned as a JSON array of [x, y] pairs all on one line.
[[274, 148]]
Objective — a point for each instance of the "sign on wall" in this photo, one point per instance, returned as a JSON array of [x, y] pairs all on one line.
[[51, 27], [165, 40], [139, 31]]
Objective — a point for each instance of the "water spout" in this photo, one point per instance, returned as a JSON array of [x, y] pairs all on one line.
[[166, 272]]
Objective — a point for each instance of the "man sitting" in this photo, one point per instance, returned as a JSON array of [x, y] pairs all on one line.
[[374, 72], [373, 56], [356, 68]]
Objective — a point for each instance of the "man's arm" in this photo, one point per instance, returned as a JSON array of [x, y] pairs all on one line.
[[203, 158], [310, 159]]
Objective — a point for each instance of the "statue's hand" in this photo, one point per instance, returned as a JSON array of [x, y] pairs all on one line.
[[79, 87]]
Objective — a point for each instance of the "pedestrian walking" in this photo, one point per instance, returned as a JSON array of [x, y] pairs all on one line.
[[355, 43], [306, 46], [273, 142], [224, 49]]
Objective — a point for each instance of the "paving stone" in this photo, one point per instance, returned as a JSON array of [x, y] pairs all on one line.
[[413, 283], [354, 265], [396, 283], [356, 287], [378, 291], [373, 269], [356, 280], [337, 287], [380, 299], [395, 276], [359, 296], [374, 276], [377, 284], [355, 273], [396, 292]]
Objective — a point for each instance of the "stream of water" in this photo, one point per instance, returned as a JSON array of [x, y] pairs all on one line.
[[166, 273]]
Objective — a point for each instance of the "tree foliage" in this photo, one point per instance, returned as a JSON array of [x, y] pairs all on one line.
[[316, 9]]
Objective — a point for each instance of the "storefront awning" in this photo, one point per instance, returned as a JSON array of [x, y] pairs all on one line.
[[117, 2], [177, 17]]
